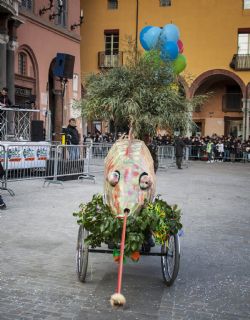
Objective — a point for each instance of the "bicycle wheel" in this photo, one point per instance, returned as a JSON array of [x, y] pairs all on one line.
[[82, 253], [170, 261]]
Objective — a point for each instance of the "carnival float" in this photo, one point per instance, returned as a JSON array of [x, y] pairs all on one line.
[[129, 218]]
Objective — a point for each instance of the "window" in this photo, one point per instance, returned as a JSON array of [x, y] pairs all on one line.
[[62, 19], [246, 4], [165, 3], [112, 4], [22, 63], [232, 99], [244, 43], [27, 4], [111, 42]]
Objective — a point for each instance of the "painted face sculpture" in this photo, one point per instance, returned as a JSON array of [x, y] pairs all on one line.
[[129, 176]]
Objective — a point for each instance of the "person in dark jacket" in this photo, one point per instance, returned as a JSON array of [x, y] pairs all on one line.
[[73, 139], [4, 99], [179, 147]]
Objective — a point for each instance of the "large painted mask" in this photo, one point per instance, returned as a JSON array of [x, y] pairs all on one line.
[[129, 176]]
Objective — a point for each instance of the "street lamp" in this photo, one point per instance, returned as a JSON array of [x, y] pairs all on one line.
[[53, 15], [75, 25]]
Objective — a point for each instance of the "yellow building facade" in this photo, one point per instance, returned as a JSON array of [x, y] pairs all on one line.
[[216, 37]]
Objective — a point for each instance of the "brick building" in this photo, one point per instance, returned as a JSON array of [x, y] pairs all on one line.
[[31, 35]]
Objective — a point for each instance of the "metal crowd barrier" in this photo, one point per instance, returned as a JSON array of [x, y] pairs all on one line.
[[51, 162], [43, 161], [70, 160], [97, 154], [166, 157], [200, 153]]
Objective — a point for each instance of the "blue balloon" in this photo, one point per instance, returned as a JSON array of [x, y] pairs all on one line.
[[142, 33], [170, 32], [149, 37], [169, 50]]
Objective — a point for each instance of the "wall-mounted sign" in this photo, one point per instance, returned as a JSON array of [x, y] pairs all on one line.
[[23, 92]]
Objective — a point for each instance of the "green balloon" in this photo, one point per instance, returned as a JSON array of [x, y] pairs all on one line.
[[179, 64]]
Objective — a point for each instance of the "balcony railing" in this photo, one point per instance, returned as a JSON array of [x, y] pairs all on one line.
[[232, 102], [240, 62], [110, 60], [9, 6]]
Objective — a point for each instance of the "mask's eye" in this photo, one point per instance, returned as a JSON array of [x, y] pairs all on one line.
[[144, 181], [113, 178]]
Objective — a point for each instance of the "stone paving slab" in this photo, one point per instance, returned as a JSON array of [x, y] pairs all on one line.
[[38, 239]]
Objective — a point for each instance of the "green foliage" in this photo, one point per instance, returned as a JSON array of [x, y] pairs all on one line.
[[141, 93], [158, 217]]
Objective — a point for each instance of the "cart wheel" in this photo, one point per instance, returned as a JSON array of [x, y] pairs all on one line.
[[170, 260], [82, 252]]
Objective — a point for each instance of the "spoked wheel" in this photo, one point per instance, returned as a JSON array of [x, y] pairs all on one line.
[[170, 260], [82, 253]]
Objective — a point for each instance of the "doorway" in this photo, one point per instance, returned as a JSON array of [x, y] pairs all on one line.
[[233, 127], [198, 130]]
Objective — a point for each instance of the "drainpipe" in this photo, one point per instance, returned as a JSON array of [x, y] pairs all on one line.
[[136, 25], [247, 107], [244, 119], [244, 110]]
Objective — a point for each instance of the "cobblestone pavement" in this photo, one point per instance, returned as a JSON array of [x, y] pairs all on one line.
[[37, 252]]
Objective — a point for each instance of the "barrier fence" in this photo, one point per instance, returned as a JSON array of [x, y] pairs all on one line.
[[228, 155], [52, 162], [44, 161], [98, 152], [166, 156]]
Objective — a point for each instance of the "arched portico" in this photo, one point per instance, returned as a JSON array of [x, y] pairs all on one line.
[[222, 112], [216, 74]]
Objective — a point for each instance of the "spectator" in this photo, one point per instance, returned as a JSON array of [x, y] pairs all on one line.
[[88, 139], [220, 148], [210, 151], [73, 139], [4, 99], [227, 149], [179, 146]]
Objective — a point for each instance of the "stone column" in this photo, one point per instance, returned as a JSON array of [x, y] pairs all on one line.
[[247, 118], [13, 24], [244, 101], [3, 58], [11, 83], [11, 70], [4, 38]]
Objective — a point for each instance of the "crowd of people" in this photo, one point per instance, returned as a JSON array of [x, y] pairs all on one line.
[[218, 148], [211, 148]]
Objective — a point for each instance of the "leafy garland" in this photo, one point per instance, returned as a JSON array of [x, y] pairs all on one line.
[[157, 217]]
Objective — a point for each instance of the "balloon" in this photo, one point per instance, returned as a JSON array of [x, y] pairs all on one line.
[[179, 64], [180, 46], [170, 32], [169, 50], [149, 37], [142, 33]]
